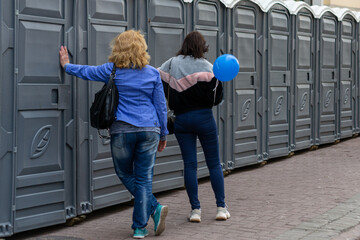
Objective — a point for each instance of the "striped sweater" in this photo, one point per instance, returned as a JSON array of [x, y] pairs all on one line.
[[189, 84]]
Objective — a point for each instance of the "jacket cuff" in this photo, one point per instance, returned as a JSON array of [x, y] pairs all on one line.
[[65, 66]]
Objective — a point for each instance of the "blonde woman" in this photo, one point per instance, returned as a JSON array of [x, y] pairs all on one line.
[[140, 127]]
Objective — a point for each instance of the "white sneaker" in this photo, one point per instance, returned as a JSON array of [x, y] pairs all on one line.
[[195, 215], [222, 213]]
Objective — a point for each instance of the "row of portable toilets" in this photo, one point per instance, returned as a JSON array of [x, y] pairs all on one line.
[[298, 87]]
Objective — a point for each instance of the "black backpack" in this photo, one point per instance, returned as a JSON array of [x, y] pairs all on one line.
[[103, 109]]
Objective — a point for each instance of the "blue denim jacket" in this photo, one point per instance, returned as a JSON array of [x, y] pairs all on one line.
[[141, 96]]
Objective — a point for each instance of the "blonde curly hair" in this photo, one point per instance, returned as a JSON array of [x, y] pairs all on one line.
[[129, 50]]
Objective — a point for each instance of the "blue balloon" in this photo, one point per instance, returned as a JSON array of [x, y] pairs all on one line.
[[226, 67]]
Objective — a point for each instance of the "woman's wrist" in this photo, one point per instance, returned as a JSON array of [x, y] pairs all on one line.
[[65, 65]]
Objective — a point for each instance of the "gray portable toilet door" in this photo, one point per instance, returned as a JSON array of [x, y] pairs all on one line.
[[278, 82], [165, 29], [7, 121], [357, 79], [208, 20], [347, 74], [165, 23], [105, 22], [44, 172], [247, 115], [328, 79], [304, 68]]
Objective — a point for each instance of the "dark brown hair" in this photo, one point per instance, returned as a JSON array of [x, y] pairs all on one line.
[[194, 45]]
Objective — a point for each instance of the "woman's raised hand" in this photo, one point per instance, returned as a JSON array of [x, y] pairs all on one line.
[[64, 56]]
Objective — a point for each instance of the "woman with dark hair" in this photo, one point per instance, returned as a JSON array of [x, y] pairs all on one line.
[[192, 90], [140, 127]]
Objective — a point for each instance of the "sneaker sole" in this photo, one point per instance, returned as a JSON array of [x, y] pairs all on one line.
[[196, 220], [163, 214], [140, 237], [222, 218]]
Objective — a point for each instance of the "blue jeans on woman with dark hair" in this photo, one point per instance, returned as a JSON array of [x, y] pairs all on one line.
[[188, 126], [134, 156]]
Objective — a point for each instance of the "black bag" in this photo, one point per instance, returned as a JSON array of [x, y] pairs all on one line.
[[102, 111], [170, 122]]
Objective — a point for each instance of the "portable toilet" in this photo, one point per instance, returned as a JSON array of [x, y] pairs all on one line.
[[303, 66], [346, 125], [37, 119], [97, 183], [357, 74], [326, 70], [276, 78], [209, 19], [245, 96], [7, 119], [165, 25]]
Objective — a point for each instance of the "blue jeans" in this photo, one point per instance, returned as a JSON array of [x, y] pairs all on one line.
[[188, 126], [134, 158]]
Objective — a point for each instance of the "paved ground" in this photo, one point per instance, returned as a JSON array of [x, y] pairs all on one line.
[[314, 195]]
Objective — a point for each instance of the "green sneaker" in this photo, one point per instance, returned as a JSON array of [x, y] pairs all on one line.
[[159, 219], [140, 233]]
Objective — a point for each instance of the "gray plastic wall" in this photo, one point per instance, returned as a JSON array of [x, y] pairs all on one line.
[[7, 118], [278, 81], [298, 86], [347, 91], [44, 127], [357, 81], [245, 93], [326, 79], [303, 80]]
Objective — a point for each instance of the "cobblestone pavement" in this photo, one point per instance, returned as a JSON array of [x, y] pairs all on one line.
[[314, 195]]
